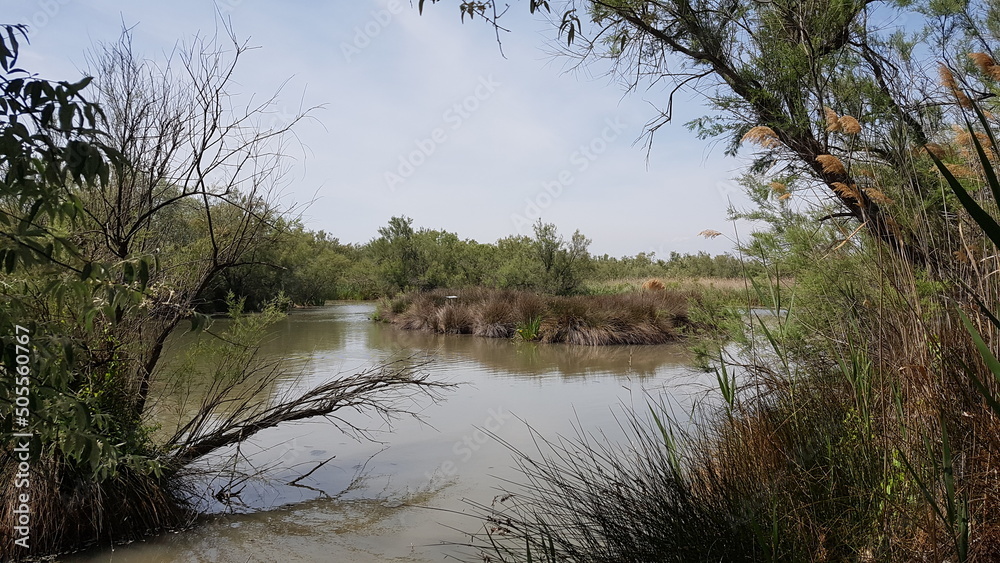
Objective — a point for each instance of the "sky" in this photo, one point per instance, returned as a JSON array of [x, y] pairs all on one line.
[[421, 115]]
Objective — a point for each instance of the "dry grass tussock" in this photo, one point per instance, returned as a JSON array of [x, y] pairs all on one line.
[[653, 285], [647, 317], [68, 511]]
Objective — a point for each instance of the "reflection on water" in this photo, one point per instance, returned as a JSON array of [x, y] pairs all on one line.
[[533, 359], [398, 499]]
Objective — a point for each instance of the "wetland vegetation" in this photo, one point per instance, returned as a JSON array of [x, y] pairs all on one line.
[[857, 386]]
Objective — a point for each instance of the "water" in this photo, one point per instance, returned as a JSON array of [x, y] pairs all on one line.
[[404, 499]]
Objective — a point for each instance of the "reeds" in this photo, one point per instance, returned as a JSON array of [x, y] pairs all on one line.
[[647, 317], [831, 164], [71, 511], [763, 136]]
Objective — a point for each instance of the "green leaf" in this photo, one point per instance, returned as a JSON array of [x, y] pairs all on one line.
[[989, 225], [984, 350], [994, 184], [10, 261], [984, 161], [144, 272]]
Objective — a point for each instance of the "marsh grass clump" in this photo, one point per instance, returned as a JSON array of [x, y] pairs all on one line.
[[716, 492], [653, 284], [650, 317], [496, 319], [68, 509], [452, 319]]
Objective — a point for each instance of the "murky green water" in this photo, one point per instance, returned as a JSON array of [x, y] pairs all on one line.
[[402, 499]]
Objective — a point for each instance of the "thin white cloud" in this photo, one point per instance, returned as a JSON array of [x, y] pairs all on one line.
[[388, 81]]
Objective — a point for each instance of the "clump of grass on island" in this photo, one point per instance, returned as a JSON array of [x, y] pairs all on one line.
[[653, 316]]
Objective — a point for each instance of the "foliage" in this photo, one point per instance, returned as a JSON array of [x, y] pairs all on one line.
[[857, 415], [652, 317], [119, 218], [59, 309], [676, 265], [528, 330]]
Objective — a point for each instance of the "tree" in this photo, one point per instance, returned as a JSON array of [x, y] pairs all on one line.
[[803, 79], [96, 278], [563, 265], [187, 145], [396, 253]]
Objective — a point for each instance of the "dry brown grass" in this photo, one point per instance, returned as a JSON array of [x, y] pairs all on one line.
[[69, 512], [653, 284], [831, 164], [647, 317], [763, 136]]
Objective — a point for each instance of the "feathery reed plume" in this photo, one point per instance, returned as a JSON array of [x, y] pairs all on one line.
[[850, 125], [968, 151], [784, 196], [949, 82], [960, 171], [986, 64], [831, 164], [878, 196], [935, 149], [832, 120], [964, 138], [779, 187], [763, 136], [846, 191], [849, 191], [947, 78], [983, 61], [709, 233]]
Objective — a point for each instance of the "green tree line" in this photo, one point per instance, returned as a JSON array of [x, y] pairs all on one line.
[[311, 267]]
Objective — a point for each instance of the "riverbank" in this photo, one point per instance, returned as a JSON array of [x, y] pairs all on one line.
[[642, 317]]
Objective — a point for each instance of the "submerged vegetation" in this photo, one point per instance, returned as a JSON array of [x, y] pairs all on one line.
[[645, 317]]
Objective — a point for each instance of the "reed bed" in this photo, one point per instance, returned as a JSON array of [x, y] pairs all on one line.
[[641, 317], [68, 511]]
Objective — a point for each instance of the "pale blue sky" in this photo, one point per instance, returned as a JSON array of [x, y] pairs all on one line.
[[498, 131]]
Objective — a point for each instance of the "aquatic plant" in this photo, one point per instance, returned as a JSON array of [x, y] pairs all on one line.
[[528, 330], [647, 317]]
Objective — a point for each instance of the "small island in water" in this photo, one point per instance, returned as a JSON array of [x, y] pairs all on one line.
[[653, 315]]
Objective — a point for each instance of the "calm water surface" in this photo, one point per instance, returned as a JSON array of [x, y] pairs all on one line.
[[403, 499]]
